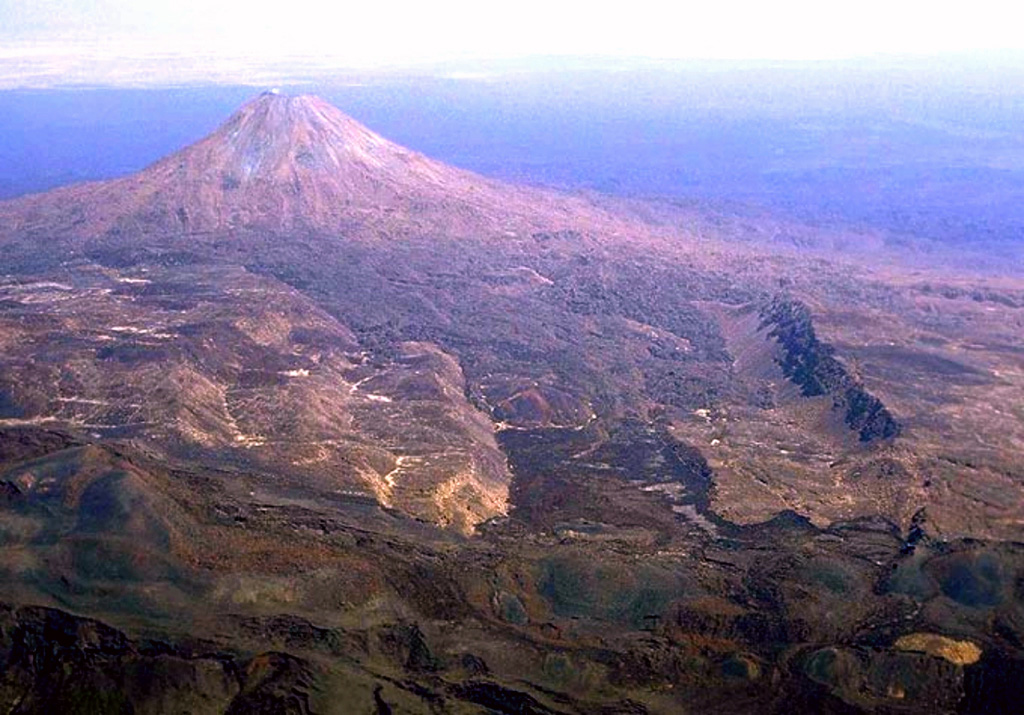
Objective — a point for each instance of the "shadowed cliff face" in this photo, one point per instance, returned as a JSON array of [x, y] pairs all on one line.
[[391, 436], [812, 365]]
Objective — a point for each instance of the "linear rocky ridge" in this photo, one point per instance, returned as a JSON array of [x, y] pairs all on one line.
[[811, 364]]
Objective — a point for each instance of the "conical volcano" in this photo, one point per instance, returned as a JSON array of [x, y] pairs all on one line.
[[284, 163], [295, 161], [282, 139]]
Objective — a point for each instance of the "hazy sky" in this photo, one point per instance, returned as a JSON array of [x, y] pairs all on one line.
[[374, 32]]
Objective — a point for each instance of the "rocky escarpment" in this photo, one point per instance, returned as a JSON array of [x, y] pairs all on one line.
[[811, 364]]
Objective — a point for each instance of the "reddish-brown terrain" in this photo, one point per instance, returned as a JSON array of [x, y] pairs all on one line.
[[308, 422]]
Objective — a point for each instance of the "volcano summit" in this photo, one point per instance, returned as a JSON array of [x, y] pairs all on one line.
[[299, 420]]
